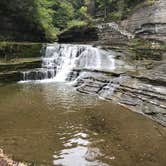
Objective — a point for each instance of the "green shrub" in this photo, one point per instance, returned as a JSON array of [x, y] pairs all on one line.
[[76, 23]]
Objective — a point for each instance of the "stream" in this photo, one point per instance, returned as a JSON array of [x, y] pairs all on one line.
[[52, 123], [44, 121]]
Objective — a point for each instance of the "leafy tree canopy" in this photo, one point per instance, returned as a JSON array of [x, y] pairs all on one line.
[[53, 16]]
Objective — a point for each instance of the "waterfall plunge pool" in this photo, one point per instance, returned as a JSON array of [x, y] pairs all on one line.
[[52, 124], [59, 61], [46, 122]]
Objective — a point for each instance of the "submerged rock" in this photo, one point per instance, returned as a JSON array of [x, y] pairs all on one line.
[[19, 64], [105, 73], [134, 93]]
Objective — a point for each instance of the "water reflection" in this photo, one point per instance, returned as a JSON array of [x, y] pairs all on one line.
[[58, 108], [78, 152], [51, 123], [63, 94]]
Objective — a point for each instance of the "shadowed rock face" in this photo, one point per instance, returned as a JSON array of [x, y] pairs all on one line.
[[103, 34], [79, 34]]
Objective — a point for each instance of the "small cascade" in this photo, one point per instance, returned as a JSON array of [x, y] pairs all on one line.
[[76, 57], [39, 74], [60, 60]]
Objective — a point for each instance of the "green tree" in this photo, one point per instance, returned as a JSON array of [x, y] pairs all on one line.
[[63, 13], [43, 16]]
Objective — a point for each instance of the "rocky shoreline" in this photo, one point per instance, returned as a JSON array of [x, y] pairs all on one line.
[[132, 92], [6, 161], [139, 41], [134, 41], [141, 88]]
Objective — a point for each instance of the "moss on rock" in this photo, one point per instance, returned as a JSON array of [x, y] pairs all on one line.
[[10, 50], [20, 65]]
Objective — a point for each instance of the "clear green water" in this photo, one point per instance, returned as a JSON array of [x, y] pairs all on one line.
[[52, 124]]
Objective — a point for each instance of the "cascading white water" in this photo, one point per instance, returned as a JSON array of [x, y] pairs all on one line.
[[61, 59], [76, 57]]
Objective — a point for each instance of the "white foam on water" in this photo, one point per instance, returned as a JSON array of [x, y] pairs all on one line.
[[61, 59]]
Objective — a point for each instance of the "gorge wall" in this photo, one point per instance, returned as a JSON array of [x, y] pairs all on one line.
[[139, 41], [148, 21]]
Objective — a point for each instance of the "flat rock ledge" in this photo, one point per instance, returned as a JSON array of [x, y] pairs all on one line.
[[13, 71], [145, 94]]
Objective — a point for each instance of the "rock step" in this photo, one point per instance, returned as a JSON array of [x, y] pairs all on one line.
[[134, 94], [21, 64], [12, 76]]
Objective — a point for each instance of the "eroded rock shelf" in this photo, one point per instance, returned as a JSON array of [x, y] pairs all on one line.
[[145, 97]]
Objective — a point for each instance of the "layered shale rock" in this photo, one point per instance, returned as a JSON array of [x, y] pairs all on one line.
[[139, 89], [148, 21], [18, 57], [136, 94], [112, 34]]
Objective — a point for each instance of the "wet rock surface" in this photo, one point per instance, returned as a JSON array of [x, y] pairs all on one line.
[[8, 77], [11, 71], [144, 93], [138, 84], [16, 57]]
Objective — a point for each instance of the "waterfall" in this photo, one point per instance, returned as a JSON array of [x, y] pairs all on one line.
[[75, 56], [60, 60]]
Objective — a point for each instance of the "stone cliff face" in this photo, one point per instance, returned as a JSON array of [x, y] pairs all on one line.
[[148, 22]]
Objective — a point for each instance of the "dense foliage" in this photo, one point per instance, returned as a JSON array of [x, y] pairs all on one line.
[[53, 16]]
